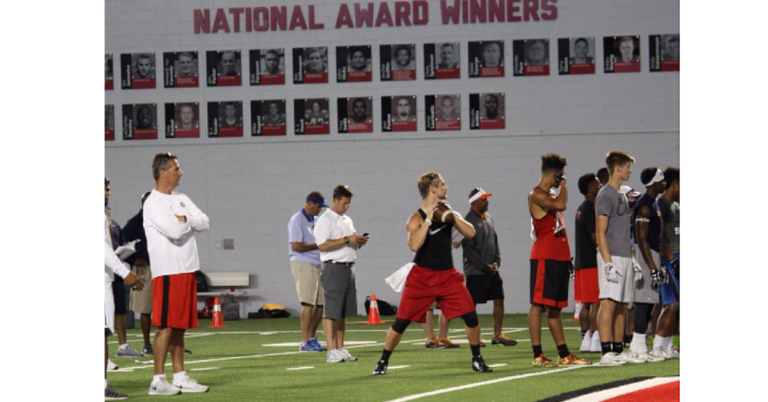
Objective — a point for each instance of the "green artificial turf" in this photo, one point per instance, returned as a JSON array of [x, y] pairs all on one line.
[[249, 370]]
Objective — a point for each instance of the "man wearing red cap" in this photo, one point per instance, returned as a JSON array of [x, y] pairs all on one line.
[[481, 263]]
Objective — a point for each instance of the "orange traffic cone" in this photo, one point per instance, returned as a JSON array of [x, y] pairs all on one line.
[[373, 312], [217, 321]]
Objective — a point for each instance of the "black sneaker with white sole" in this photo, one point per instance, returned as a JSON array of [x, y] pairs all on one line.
[[478, 364], [381, 367], [112, 395]]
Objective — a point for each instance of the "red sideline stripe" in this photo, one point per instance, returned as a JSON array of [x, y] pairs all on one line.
[[669, 392]]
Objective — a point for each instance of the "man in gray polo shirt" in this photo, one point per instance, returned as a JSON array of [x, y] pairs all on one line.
[[481, 262], [338, 242], [305, 266], [614, 259]]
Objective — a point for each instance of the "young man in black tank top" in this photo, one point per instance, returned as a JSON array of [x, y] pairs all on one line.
[[433, 276]]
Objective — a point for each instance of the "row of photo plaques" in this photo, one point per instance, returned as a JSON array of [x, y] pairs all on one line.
[[530, 57], [311, 116]]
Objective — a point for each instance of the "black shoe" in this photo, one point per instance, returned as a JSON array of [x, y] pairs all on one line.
[[187, 352], [478, 364], [147, 350], [381, 368], [112, 395]]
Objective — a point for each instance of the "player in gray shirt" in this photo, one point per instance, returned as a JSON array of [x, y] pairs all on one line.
[[614, 260]]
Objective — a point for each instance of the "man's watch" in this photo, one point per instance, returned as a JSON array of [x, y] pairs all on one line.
[[346, 239]]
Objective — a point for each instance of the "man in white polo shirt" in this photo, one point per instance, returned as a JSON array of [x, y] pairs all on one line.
[[336, 238], [305, 266], [170, 223]]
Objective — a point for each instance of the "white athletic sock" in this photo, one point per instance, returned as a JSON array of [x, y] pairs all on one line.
[[105, 383], [657, 342], [179, 377], [123, 346], [158, 377], [588, 335], [667, 343], [638, 344], [596, 335]]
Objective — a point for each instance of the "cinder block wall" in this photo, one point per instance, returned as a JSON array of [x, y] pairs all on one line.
[[250, 186]]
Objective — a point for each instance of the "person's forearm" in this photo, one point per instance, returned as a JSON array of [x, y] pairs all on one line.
[[303, 247], [463, 226], [333, 244]]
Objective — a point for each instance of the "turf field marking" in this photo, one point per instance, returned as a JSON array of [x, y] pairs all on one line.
[[296, 344], [397, 367], [300, 368], [483, 383], [205, 368], [625, 389], [497, 365]]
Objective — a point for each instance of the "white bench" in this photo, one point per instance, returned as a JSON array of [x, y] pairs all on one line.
[[225, 279]]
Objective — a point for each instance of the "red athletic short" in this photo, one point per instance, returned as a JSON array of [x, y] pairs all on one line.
[[585, 288], [174, 301], [549, 283], [424, 286]]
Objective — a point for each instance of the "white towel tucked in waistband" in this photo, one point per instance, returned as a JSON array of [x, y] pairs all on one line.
[[397, 280]]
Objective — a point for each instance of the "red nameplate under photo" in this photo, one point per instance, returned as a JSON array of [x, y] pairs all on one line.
[[143, 83], [109, 135], [448, 73], [495, 124], [448, 125], [670, 65], [403, 126], [185, 82], [317, 129], [358, 76], [109, 84], [186, 133], [360, 127], [536, 70], [145, 134], [315, 78], [230, 131], [582, 68], [632, 67], [403, 75], [492, 71], [229, 81], [272, 79], [273, 130]]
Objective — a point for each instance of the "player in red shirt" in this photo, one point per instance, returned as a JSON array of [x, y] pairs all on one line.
[[550, 261]]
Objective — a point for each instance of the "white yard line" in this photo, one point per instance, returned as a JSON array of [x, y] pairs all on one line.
[[300, 368], [397, 367], [625, 389], [483, 383], [205, 368]]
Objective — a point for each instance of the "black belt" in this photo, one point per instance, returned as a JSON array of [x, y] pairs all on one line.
[[348, 264]]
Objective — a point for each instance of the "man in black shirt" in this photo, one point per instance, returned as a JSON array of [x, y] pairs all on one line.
[[433, 276], [585, 287], [140, 301]]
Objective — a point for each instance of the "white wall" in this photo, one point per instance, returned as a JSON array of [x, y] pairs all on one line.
[[249, 187]]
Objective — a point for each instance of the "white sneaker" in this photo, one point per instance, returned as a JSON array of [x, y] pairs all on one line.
[[346, 356], [111, 366], [586, 344], [611, 359], [189, 385], [648, 358], [629, 358], [672, 354], [163, 387], [659, 353], [334, 356], [595, 346]]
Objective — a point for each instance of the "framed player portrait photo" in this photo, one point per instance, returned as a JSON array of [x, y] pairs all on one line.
[[267, 66], [398, 113], [486, 59], [622, 54], [486, 111], [225, 119], [576, 55], [140, 121], [443, 112], [268, 117], [310, 65], [138, 70], [109, 122], [665, 52], [109, 72], [223, 68], [398, 62], [355, 115], [311, 116], [181, 69], [182, 120], [442, 60], [353, 63], [530, 57]]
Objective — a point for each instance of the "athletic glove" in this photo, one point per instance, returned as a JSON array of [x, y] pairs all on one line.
[[638, 272], [656, 279], [560, 177], [611, 273], [664, 274], [675, 263]]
